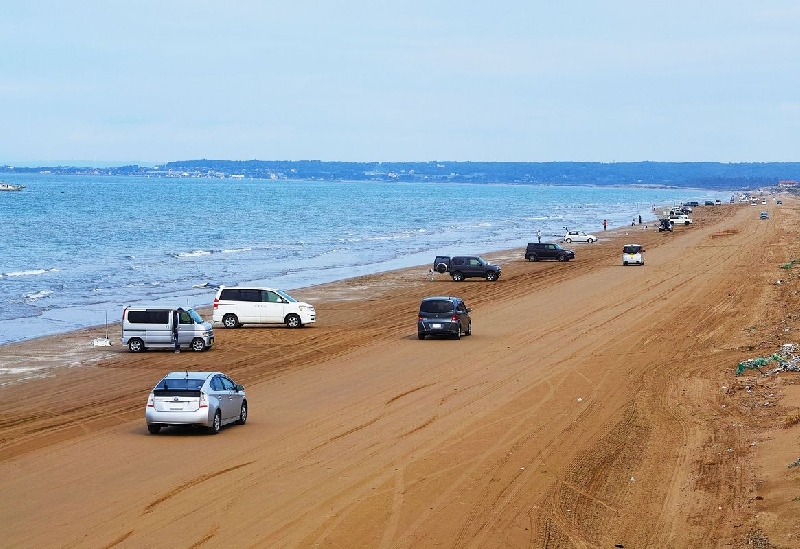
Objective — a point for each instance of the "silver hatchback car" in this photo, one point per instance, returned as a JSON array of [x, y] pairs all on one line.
[[204, 399]]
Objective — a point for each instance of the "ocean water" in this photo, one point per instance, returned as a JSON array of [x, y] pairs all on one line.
[[77, 249]]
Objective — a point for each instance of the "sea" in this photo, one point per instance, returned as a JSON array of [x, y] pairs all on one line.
[[77, 249]]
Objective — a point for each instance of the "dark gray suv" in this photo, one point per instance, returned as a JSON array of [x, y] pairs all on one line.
[[448, 316], [536, 251]]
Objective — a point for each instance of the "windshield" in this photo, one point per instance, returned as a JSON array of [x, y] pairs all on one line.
[[632, 249], [196, 317], [286, 296]]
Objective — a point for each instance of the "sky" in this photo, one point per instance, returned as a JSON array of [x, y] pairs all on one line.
[[150, 81]]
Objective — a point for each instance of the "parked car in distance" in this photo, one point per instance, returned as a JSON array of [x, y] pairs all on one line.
[[632, 254], [255, 305], [764, 202], [579, 236], [709, 202], [466, 266], [779, 202], [680, 219], [202, 399], [443, 316], [693, 203], [537, 251], [764, 215], [154, 328]]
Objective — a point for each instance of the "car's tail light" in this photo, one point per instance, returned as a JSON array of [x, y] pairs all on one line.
[[216, 303], [151, 401], [419, 318], [203, 400], [455, 318]]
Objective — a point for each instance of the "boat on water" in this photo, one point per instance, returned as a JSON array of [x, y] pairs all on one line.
[[10, 187]]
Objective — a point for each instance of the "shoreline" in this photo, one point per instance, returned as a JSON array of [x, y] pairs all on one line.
[[204, 309], [36, 357]]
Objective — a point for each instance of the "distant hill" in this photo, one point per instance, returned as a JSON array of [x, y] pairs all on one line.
[[708, 175]]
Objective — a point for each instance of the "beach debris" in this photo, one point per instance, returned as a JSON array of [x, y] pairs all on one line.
[[101, 342], [795, 463], [786, 360]]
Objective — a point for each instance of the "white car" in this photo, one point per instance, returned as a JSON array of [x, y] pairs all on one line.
[[255, 305], [632, 254], [579, 236], [680, 219]]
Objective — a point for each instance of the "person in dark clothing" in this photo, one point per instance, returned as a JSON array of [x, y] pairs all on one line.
[[176, 320]]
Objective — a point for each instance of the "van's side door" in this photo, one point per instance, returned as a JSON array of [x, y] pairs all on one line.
[[271, 307], [185, 328], [249, 306], [159, 327]]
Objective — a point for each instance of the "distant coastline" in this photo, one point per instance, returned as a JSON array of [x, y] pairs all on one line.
[[704, 175]]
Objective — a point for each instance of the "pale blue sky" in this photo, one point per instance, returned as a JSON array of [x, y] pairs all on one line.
[[399, 80]]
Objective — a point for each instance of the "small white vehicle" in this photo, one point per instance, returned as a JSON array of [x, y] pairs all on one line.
[[579, 236], [255, 305], [680, 219], [632, 254]]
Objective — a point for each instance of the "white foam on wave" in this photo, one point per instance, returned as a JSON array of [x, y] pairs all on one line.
[[195, 253], [236, 250], [31, 272], [33, 296]]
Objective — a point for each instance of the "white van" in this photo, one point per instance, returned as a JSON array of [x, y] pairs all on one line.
[[249, 305], [154, 328]]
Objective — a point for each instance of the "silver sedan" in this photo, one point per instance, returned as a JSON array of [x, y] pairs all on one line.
[[205, 399]]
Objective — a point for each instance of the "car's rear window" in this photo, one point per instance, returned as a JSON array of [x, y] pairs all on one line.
[[180, 383], [632, 249], [436, 306]]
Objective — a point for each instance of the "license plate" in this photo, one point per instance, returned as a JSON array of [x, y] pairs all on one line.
[[436, 326], [176, 407]]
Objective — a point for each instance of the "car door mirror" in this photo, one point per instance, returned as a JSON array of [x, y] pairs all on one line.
[[469, 309], [239, 388]]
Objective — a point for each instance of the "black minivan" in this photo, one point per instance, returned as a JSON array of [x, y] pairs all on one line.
[[448, 316]]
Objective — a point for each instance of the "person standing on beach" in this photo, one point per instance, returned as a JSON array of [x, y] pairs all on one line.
[[176, 320], [605, 224], [539, 234]]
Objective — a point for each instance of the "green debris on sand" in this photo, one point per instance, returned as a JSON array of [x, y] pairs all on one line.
[[791, 264], [785, 360]]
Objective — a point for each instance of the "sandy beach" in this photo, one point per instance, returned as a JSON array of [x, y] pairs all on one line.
[[595, 405]]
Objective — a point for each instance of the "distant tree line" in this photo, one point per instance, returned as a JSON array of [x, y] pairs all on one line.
[[709, 175]]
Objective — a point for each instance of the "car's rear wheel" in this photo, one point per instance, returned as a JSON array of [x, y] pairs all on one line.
[[491, 276], [216, 425], [532, 257], [154, 429], [242, 414], [293, 321], [198, 345], [457, 335], [230, 321], [568, 241], [469, 329], [420, 335], [625, 263], [136, 345], [458, 277]]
